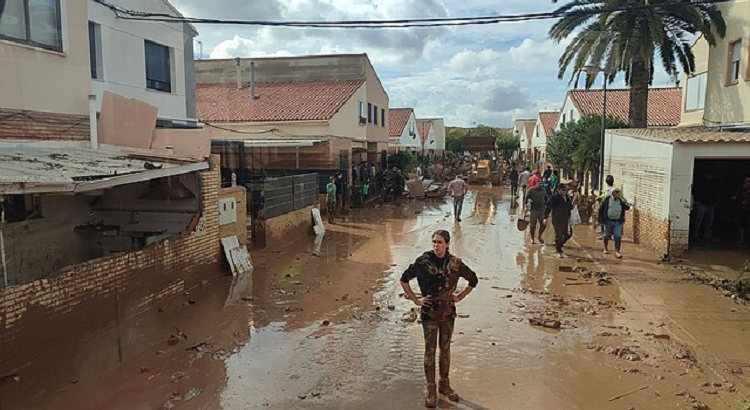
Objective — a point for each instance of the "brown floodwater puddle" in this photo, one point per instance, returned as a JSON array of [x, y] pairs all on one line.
[[329, 332]]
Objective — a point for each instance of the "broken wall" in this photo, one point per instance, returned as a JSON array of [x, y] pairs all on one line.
[[85, 297]]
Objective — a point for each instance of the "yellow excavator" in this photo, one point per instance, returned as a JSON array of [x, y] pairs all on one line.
[[480, 174]]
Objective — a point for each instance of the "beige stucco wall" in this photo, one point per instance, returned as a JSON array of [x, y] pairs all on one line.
[[376, 95], [727, 105], [41, 80], [345, 123], [700, 51]]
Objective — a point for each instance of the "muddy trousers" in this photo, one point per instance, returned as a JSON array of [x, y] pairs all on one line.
[[537, 218], [562, 234], [458, 204], [437, 333]]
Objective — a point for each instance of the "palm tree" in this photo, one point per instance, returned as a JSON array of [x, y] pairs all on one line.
[[627, 35]]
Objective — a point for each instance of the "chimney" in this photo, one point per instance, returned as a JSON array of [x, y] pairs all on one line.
[[238, 70], [252, 80]]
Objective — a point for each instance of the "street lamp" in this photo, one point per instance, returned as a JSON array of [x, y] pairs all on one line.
[[593, 70]]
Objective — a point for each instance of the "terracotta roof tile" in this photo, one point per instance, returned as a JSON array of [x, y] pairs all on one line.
[[287, 101], [664, 104], [423, 126], [549, 122], [397, 118], [529, 127], [683, 134]]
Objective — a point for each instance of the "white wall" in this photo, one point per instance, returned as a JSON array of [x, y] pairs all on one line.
[[431, 141], [568, 111], [407, 140], [124, 61], [439, 126], [643, 170], [539, 137]]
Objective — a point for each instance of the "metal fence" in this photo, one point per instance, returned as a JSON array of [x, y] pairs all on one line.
[[285, 194]]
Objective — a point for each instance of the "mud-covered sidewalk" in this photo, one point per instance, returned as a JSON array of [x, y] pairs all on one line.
[[334, 331]]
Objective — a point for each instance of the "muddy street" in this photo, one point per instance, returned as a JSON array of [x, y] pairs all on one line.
[[335, 331]]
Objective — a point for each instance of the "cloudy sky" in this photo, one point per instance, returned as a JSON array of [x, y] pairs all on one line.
[[469, 75]]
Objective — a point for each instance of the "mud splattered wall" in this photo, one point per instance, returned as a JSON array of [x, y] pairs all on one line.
[[68, 230], [47, 310]]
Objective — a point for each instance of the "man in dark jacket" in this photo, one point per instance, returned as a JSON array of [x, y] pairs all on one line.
[[612, 216], [513, 181], [560, 206]]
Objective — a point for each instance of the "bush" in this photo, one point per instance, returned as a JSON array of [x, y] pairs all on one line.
[[403, 160]]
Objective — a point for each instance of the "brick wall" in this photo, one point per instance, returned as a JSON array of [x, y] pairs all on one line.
[[81, 298], [281, 226], [651, 231], [25, 124], [238, 228]]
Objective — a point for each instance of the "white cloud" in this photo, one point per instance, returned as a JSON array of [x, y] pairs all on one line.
[[487, 74]]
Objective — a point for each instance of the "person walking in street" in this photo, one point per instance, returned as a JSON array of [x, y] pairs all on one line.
[[513, 182], [533, 179], [547, 173], [523, 179], [437, 273], [535, 202], [457, 189], [612, 216], [554, 180], [560, 205], [331, 199]]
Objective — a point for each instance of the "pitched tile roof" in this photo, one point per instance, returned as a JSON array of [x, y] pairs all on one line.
[[423, 126], [281, 101], [549, 121], [529, 127], [664, 104], [683, 134], [397, 118]]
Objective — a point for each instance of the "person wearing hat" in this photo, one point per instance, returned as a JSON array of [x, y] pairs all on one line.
[[559, 206], [611, 217]]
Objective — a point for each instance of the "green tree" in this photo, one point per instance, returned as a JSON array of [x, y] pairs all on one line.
[[630, 37], [486, 131], [403, 160], [507, 143], [454, 139], [575, 147]]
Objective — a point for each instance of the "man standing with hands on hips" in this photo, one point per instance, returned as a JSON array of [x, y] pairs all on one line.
[[457, 189]]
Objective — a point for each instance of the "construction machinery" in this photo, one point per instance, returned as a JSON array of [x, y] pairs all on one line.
[[480, 174]]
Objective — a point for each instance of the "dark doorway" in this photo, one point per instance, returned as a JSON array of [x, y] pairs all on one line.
[[716, 217]]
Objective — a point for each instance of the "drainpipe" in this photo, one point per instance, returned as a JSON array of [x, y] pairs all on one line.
[[252, 80], [93, 129], [238, 71]]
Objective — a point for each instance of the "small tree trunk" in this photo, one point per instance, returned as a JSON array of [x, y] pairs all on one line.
[[639, 79]]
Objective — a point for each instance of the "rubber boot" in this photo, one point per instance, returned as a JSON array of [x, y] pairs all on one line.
[[430, 399], [447, 391]]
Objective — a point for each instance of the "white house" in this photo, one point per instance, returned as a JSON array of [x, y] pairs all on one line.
[[674, 175], [544, 128], [663, 105], [402, 130], [438, 127], [427, 133], [145, 60], [524, 129]]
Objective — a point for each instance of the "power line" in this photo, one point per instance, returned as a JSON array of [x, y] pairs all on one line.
[[593, 10]]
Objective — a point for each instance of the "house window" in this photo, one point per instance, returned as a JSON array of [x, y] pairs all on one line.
[[563, 119], [95, 49], [158, 71], [571, 114], [19, 208], [369, 112], [362, 119], [733, 70], [32, 22], [695, 92], [382, 117], [375, 114]]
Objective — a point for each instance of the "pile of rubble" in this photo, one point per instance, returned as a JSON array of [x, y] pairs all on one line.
[[426, 188], [730, 288]]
